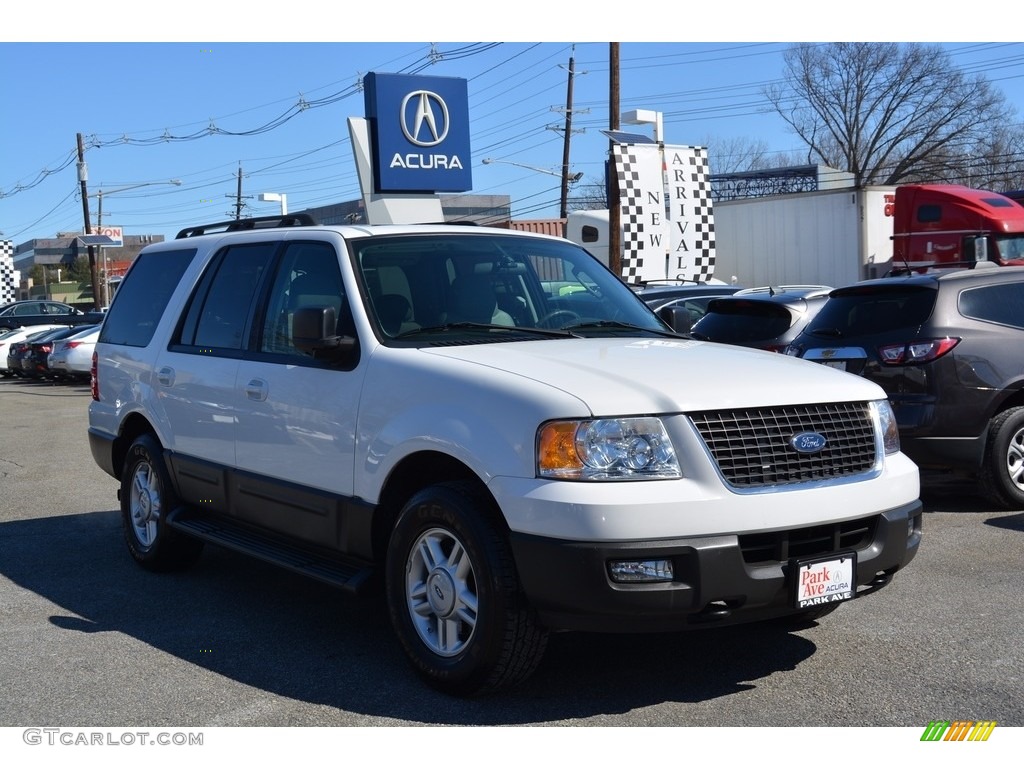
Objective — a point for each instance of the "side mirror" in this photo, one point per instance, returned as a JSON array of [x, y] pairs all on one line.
[[314, 330], [677, 318]]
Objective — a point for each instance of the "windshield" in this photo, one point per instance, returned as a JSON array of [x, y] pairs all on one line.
[[491, 285], [1010, 246], [741, 321], [871, 310]]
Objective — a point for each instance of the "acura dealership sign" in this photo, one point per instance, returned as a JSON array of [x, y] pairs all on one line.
[[419, 129]]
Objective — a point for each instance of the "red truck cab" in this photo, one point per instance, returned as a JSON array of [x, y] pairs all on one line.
[[938, 225]]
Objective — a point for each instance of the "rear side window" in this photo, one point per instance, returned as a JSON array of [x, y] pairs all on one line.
[[219, 310], [141, 299], [866, 312], [740, 321], [1003, 304]]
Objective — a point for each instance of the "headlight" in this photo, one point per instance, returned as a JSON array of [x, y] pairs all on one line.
[[887, 425], [606, 449]]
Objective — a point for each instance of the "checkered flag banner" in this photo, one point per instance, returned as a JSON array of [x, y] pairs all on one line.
[[642, 211], [691, 219], [8, 277]]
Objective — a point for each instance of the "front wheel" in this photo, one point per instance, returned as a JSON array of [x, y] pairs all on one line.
[[1002, 473], [454, 595], [147, 496]]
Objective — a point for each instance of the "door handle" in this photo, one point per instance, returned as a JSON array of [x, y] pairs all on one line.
[[256, 389]]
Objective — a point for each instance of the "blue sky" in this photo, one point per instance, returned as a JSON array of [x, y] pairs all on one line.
[[145, 108]]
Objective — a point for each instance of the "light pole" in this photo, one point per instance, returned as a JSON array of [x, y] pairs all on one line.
[[572, 179], [99, 222], [276, 197], [564, 175]]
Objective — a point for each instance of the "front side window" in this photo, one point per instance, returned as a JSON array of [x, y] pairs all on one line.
[[307, 276]]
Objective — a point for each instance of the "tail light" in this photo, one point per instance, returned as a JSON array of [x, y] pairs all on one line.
[[915, 352], [71, 344], [47, 348], [94, 385]]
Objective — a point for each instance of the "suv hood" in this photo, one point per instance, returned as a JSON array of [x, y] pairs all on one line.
[[665, 375]]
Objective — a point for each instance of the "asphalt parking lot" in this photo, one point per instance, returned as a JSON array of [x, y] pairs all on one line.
[[88, 638]]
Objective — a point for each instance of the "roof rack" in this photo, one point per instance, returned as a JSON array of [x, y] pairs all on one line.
[[258, 222]]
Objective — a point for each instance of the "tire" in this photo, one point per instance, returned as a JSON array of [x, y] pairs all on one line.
[[1002, 472], [472, 632], [147, 495]]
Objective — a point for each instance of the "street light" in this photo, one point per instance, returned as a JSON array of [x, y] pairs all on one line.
[[572, 179], [275, 197], [646, 117], [99, 222], [99, 195]]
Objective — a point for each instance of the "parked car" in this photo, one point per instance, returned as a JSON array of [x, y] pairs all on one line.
[[72, 357], [20, 314], [36, 351], [490, 425], [680, 305], [11, 337], [764, 318], [947, 349]]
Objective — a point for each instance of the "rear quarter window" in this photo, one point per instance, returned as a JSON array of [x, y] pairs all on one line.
[[142, 297], [1003, 304]]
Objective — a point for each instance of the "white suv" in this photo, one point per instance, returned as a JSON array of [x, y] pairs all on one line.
[[496, 426]]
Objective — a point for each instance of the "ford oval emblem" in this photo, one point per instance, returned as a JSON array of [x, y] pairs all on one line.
[[808, 442]]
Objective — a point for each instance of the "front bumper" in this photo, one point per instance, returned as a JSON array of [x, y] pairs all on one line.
[[719, 580]]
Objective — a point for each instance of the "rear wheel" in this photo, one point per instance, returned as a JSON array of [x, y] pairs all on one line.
[[147, 496], [454, 595], [1002, 473]]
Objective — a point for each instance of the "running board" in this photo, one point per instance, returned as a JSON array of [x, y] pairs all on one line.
[[227, 534]]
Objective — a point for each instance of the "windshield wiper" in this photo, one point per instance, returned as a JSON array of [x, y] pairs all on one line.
[[615, 324], [547, 332], [825, 332]]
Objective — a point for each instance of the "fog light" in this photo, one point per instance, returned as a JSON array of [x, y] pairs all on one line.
[[634, 571]]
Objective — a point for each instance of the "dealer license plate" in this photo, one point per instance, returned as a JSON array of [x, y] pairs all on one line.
[[825, 580], [840, 364]]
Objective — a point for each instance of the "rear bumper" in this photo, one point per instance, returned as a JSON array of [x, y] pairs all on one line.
[[102, 447], [719, 580]]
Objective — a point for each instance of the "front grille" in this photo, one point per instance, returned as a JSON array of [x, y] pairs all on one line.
[[780, 546], [752, 446]]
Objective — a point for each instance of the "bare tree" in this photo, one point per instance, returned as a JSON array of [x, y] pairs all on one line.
[[589, 196], [888, 112]]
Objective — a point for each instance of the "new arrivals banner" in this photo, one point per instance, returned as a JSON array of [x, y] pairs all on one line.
[[645, 236], [690, 214], [665, 237]]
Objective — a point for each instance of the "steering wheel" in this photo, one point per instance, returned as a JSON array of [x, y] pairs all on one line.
[[568, 318]]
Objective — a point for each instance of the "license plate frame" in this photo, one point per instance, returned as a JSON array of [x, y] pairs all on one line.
[[823, 580]]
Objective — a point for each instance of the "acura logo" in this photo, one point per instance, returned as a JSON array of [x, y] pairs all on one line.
[[424, 118]]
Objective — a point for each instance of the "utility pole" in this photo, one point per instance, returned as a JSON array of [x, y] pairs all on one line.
[[238, 196], [83, 177], [563, 210], [614, 208]]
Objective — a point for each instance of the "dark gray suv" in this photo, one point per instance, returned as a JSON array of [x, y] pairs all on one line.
[[948, 348]]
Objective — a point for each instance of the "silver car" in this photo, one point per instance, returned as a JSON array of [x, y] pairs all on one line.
[[72, 357]]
